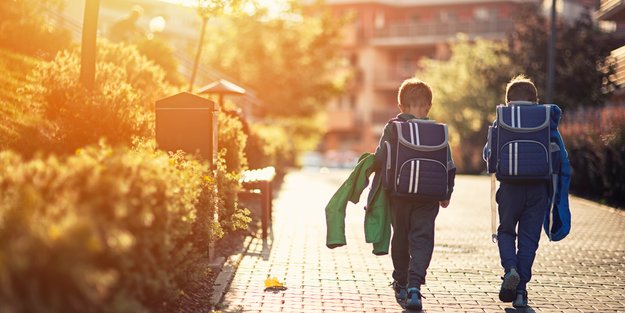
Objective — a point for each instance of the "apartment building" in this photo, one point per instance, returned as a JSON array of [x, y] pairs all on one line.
[[613, 12], [383, 46]]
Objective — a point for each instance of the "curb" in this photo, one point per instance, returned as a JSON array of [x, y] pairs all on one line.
[[598, 205], [226, 275]]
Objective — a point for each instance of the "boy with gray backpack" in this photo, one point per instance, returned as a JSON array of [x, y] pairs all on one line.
[[414, 161], [526, 154]]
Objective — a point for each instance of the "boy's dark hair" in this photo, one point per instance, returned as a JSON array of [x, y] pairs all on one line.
[[414, 93], [521, 88]]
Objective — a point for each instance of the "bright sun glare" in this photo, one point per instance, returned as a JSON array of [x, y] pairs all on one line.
[[274, 7]]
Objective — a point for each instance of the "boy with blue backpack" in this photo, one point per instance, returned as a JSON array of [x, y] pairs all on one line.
[[415, 165], [526, 154]]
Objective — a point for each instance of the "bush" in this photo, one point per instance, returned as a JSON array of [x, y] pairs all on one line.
[[232, 161], [118, 109], [100, 231], [269, 145], [595, 140]]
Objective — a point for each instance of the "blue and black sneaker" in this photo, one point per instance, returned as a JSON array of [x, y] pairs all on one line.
[[521, 299], [400, 293], [413, 302], [511, 279]]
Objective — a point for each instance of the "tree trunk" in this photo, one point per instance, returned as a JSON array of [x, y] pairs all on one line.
[[88, 51]]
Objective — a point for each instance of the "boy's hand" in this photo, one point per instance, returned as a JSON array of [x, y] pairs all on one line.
[[444, 203]]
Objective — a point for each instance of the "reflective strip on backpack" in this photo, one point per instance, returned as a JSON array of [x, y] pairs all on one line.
[[410, 182], [416, 179], [512, 119], [510, 160], [513, 161], [516, 158]]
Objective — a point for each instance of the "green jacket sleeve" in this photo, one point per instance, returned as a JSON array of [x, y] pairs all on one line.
[[350, 190]]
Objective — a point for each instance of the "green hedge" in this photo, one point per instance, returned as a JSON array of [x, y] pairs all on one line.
[[595, 140], [66, 116], [101, 231]]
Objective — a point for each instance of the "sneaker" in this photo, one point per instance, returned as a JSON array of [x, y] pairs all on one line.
[[400, 293], [511, 279], [413, 302], [521, 299]]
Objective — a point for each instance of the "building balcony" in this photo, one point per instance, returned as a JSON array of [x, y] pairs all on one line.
[[611, 10], [415, 34]]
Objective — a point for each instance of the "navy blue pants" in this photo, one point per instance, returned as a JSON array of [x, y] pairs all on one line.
[[522, 205], [413, 239]]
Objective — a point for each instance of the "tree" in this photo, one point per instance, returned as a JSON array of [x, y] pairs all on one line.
[[466, 90], [26, 27], [88, 51], [583, 67], [287, 60]]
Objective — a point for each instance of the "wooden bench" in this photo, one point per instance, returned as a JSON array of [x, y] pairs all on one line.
[[257, 184]]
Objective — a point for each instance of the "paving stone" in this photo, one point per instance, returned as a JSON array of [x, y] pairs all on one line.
[[585, 272]]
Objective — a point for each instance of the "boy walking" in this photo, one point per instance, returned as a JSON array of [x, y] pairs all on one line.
[[524, 204], [412, 218]]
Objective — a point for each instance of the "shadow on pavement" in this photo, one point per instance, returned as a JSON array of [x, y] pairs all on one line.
[[524, 310]]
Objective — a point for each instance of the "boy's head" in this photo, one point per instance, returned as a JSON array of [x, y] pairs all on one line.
[[521, 88], [414, 96]]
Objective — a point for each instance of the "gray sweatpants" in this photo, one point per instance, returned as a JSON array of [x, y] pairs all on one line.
[[413, 239]]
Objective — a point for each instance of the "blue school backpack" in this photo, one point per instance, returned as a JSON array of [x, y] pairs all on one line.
[[416, 160], [519, 148]]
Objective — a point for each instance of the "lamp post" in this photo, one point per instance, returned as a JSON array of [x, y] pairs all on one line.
[[551, 54], [205, 8]]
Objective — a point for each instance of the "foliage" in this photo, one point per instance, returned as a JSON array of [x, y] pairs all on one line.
[[595, 140], [583, 69], [14, 116], [270, 145], [70, 117], [100, 231], [232, 161], [162, 54], [287, 61], [31, 17], [232, 140], [466, 90]]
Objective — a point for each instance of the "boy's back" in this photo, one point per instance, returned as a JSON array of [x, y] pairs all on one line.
[[413, 218], [522, 152]]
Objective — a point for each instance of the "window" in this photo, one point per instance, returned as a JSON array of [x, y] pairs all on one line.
[[378, 20], [415, 18], [481, 14], [447, 16]]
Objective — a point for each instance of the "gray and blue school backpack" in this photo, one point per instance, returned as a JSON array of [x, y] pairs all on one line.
[[416, 160], [519, 144]]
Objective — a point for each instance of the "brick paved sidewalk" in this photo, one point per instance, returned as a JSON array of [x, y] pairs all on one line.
[[583, 273]]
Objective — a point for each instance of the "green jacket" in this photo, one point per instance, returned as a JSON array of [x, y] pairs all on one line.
[[377, 215]]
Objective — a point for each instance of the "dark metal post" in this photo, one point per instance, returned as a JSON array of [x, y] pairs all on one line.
[[88, 51], [551, 54], [198, 53]]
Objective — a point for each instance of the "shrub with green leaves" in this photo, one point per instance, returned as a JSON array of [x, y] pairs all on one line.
[[118, 109], [103, 230], [269, 145]]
